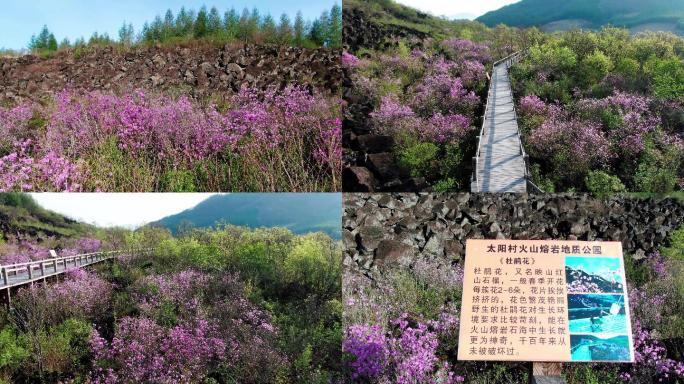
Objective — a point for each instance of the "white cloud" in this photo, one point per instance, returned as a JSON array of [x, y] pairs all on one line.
[[118, 209], [452, 8]]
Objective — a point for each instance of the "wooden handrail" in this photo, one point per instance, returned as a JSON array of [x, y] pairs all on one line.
[[513, 58], [29, 267]]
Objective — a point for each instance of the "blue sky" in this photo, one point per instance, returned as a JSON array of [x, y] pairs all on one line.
[[19, 19]]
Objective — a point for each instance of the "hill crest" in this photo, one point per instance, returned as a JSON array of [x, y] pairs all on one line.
[[554, 15], [299, 212]]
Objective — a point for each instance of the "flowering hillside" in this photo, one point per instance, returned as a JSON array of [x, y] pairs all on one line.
[[427, 99], [402, 291], [270, 140], [224, 305], [607, 104]]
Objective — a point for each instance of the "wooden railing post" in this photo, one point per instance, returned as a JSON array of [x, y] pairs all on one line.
[[30, 271], [546, 373], [5, 278]]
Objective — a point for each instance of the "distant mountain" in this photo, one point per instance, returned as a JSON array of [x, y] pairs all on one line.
[[554, 15], [299, 212]]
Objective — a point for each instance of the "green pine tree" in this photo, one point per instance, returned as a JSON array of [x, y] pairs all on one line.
[[335, 27], [299, 30], [201, 29]]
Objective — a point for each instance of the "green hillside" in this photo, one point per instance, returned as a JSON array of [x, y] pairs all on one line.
[[391, 15], [21, 217], [299, 212], [555, 14]]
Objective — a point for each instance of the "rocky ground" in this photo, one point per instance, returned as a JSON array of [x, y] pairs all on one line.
[[397, 229], [359, 31], [369, 165], [198, 71]]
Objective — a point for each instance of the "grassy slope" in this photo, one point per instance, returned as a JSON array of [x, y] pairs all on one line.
[[21, 216], [392, 14], [627, 13]]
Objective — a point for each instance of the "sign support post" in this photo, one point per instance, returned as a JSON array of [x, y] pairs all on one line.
[[546, 373]]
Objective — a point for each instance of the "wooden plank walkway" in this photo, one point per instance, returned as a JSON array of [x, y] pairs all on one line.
[[25, 273], [500, 161]]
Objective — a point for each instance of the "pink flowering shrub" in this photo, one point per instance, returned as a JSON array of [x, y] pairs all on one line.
[[19, 171], [561, 140], [88, 245], [402, 328], [602, 133], [427, 97], [81, 293], [178, 301], [443, 93], [636, 120], [143, 351], [184, 291], [467, 50], [290, 135], [532, 105], [443, 129], [407, 354], [349, 60], [22, 252], [618, 91]]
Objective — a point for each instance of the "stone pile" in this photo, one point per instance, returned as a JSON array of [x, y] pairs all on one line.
[[199, 71], [359, 31], [369, 165], [398, 229]]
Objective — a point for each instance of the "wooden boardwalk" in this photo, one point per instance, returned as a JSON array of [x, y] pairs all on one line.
[[24, 273], [500, 160], [16, 275]]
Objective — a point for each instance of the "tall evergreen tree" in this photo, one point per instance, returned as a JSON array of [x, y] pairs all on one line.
[[126, 34], [201, 29], [41, 41], [145, 32], [319, 29], [184, 22], [254, 22], [231, 22], [299, 29], [213, 21], [169, 25], [243, 30], [285, 30], [157, 29], [52, 43], [335, 27], [65, 43], [269, 30]]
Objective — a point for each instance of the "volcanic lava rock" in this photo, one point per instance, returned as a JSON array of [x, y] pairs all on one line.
[[208, 69], [383, 229]]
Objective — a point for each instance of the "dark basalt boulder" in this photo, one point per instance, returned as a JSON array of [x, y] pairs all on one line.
[[209, 70], [438, 225]]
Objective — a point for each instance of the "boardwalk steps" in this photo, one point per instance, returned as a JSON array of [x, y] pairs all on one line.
[[500, 163]]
